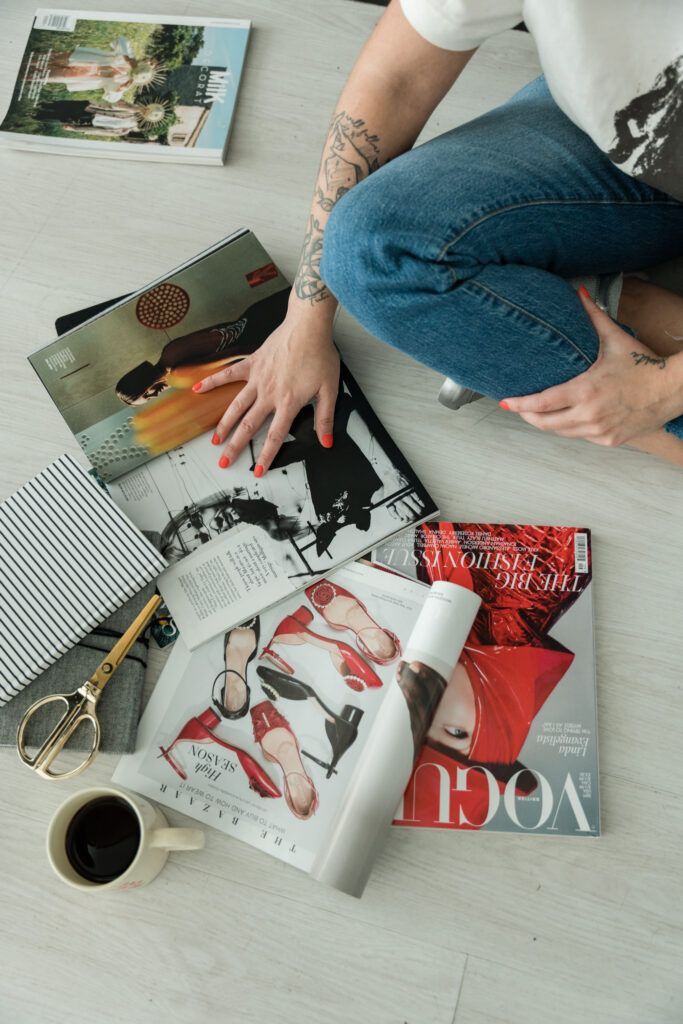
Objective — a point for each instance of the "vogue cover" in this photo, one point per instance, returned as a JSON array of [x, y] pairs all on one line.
[[513, 744], [128, 85]]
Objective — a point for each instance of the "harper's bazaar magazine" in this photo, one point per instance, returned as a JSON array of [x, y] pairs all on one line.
[[296, 731]]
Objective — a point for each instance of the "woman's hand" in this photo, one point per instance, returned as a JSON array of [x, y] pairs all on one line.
[[629, 391], [298, 364]]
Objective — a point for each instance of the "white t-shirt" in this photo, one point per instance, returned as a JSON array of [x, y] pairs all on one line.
[[615, 67]]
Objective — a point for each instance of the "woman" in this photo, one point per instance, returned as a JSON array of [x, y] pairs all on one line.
[[88, 68], [458, 252]]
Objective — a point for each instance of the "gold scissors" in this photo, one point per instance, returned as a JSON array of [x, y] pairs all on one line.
[[81, 705]]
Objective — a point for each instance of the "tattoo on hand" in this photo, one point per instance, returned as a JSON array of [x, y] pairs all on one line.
[[351, 153], [642, 359]]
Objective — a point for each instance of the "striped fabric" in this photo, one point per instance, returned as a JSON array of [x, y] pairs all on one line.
[[68, 559]]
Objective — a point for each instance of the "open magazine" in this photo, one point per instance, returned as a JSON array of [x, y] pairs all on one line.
[[296, 731], [154, 87], [513, 744], [121, 374]]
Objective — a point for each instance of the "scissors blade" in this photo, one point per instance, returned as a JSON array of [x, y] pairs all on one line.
[[106, 669]]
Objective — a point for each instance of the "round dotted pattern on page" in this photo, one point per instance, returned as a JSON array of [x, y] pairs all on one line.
[[163, 306], [116, 450]]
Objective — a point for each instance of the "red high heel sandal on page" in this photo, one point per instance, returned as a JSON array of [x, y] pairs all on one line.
[[293, 629], [342, 610], [279, 745], [200, 730]]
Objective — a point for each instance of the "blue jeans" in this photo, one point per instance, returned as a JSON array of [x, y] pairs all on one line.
[[457, 252]]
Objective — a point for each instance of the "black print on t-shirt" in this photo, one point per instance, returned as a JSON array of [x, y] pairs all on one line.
[[650, 128]]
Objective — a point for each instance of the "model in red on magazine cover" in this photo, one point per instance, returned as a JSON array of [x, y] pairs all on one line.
[[470, 764]]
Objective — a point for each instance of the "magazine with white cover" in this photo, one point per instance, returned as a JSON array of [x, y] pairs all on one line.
[[296, 731], [153, 87]]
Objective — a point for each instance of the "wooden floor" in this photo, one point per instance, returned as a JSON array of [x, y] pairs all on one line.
[[453, 929]]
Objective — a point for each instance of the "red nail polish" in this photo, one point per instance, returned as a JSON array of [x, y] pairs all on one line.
[[328, 440], [258, 469], [584, 291], [504, 405], [224, 462], [215, 439], [197, 386]]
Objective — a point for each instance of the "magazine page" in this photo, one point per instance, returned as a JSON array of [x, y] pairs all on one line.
[[123, 380], [242, 542], [513, 745], [365, 814], [258, 732], [122, 84]]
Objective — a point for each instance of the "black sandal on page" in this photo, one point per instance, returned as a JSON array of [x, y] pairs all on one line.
[[341, 729], [240, 648]]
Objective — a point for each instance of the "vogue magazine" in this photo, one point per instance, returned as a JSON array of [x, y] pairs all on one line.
[[154, 87], [296, 731], [513, 744]]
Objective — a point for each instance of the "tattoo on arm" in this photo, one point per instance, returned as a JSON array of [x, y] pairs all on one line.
[[351, 153], [308, 283], [642, 359]]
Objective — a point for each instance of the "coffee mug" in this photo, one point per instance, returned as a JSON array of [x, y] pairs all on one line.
[[104, 839]]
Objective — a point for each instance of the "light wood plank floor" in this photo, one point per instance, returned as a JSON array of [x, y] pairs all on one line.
[[453, 929]]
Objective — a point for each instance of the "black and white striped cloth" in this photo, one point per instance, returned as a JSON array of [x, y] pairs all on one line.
[[68, 559]]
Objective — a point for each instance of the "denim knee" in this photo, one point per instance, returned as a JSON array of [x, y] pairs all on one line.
[[347, 246]]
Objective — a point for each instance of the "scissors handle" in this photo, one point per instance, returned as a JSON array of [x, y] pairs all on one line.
[[80, 707]]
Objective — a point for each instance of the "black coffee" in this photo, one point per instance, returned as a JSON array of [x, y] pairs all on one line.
[[103, 839]]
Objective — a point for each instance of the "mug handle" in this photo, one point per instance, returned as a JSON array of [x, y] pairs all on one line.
[[177, 839]]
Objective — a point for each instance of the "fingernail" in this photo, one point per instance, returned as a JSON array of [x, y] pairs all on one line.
[[197, 386], [504, 405], [584, 291], [215, 439], [224, 462], [328, 440], [258, 469]]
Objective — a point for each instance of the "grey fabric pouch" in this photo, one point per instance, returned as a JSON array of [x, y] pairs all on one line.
[[119, 707]]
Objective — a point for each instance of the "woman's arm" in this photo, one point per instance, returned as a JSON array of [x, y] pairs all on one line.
[[396, 83]]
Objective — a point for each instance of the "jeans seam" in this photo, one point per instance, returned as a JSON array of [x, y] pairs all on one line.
[[558, 202], [532, 316]]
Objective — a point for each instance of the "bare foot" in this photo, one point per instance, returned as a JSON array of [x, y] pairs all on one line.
[[655, 314]]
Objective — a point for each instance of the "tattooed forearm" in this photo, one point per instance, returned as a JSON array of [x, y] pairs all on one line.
[[350, 154], [642, 359], [308, 283]]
